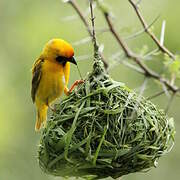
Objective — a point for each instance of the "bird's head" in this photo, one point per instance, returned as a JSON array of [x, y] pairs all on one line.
[[59, 51]]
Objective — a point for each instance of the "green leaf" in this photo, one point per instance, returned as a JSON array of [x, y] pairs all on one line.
[[175, 67]]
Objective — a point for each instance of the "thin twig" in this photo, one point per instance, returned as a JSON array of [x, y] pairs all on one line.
[[89, 38], [143, 68], [170, 102], [148, 72], [148, 31], [142, 30], [155, 95], [93, 25], [82, 17], [143, 86], [150, 53], [133, 67], [166, 90]]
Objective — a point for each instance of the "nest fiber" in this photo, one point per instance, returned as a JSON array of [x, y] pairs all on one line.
[[104, 129]]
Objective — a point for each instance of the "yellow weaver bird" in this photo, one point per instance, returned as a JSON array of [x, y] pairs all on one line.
[[50, 76]]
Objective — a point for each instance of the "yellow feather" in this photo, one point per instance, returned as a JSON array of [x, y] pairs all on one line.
[[52, 80]]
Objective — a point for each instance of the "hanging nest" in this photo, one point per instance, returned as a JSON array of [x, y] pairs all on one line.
[[104, 129]]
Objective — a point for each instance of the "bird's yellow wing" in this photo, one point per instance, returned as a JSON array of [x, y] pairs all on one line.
[[36, 77]]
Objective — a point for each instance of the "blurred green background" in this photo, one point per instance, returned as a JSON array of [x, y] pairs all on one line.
[[25, 26]]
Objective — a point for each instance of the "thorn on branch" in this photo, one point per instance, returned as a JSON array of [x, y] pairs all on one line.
[[147, 71], [155, 95], [143, 30], [141, 66], [153, 37], [170, 102]]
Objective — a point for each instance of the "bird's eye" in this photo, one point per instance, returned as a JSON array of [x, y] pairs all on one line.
[[59, 58], [62, 60]]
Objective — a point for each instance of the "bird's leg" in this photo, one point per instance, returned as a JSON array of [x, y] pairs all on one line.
[[69, 91], [66, 91], [51, 108], [75, 84]]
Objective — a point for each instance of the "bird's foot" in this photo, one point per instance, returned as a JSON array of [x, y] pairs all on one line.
[[77, 82]]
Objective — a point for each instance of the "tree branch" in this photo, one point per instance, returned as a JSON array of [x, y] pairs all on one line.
[[82, 17], [148, 31], [155, 95], [143, 68], [93, 26], [147, 71]]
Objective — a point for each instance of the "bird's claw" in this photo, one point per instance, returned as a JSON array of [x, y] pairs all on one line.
[[75, 84]]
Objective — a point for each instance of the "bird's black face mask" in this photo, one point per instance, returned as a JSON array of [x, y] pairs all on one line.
[[63, 60]]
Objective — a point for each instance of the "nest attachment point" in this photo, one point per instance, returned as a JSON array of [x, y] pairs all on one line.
[[104, 129]]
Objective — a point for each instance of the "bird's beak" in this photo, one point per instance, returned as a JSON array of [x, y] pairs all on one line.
[[72, 60]]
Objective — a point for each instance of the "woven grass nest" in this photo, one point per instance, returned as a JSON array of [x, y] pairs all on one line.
[[104, 129]]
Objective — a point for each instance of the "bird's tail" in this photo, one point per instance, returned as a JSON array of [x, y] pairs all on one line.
[[41, 116]]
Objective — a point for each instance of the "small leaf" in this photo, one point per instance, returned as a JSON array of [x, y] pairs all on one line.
[[175, 67]]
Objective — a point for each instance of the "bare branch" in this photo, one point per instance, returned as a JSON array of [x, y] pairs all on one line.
[[139, 65], [93, 26], [82, 17], [153, 37], [147, 71]]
